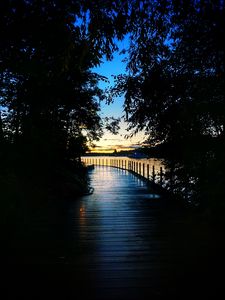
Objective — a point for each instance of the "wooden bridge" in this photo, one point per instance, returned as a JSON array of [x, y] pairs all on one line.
[[149, 169], [132, 244], [122, 242]]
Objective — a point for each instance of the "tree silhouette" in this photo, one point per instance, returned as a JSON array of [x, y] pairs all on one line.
[[50, 98], [173, 86], [174, 89], [47, 87]]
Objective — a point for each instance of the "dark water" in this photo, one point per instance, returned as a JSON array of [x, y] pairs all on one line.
[[123, 242]]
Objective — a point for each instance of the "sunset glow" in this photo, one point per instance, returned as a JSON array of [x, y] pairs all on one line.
[[110, 142], [100, 149]]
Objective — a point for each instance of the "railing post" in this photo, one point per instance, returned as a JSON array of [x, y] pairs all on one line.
[[148, 171], [143, 169], [161, 176], [153, 174]]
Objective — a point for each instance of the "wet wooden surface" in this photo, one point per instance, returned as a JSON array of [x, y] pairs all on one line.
[[127, 242], [124, 242]]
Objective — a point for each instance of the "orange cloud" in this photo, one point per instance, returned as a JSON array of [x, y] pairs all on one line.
[[112, 148]]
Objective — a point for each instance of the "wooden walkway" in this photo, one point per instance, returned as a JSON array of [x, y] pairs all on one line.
[[124, 242], [128, 243]]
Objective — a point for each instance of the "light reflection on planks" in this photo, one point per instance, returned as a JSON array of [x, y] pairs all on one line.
[[116, 240]]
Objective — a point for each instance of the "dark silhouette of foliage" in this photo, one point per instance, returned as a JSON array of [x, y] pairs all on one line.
[[45, 87], [112, 124], [174, 90], [49, 98], [47, 52], [50, 112]]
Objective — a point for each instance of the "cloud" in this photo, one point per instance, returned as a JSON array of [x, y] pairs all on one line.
[[118, 140], [112, 148]]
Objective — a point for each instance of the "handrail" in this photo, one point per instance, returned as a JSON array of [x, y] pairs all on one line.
[[150, 169]]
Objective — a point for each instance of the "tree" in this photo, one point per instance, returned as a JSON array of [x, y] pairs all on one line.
[[174, 89], [47, 52], [50, 97]]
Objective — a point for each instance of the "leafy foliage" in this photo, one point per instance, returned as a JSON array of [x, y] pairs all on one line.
[[174, 90], [173, 86], [46, 83], [49, 98]]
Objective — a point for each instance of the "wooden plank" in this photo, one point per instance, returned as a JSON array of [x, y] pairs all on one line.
[[122, 243]]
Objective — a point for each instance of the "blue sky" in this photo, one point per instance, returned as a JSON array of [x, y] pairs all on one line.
[[107, 69], [110, 141]]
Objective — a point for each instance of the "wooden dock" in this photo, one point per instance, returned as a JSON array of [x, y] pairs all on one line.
[[123, 242]]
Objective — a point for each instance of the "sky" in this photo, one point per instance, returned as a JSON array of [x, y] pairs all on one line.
[[110, 142]]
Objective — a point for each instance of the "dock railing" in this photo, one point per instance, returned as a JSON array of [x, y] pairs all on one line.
[[151, 169]]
